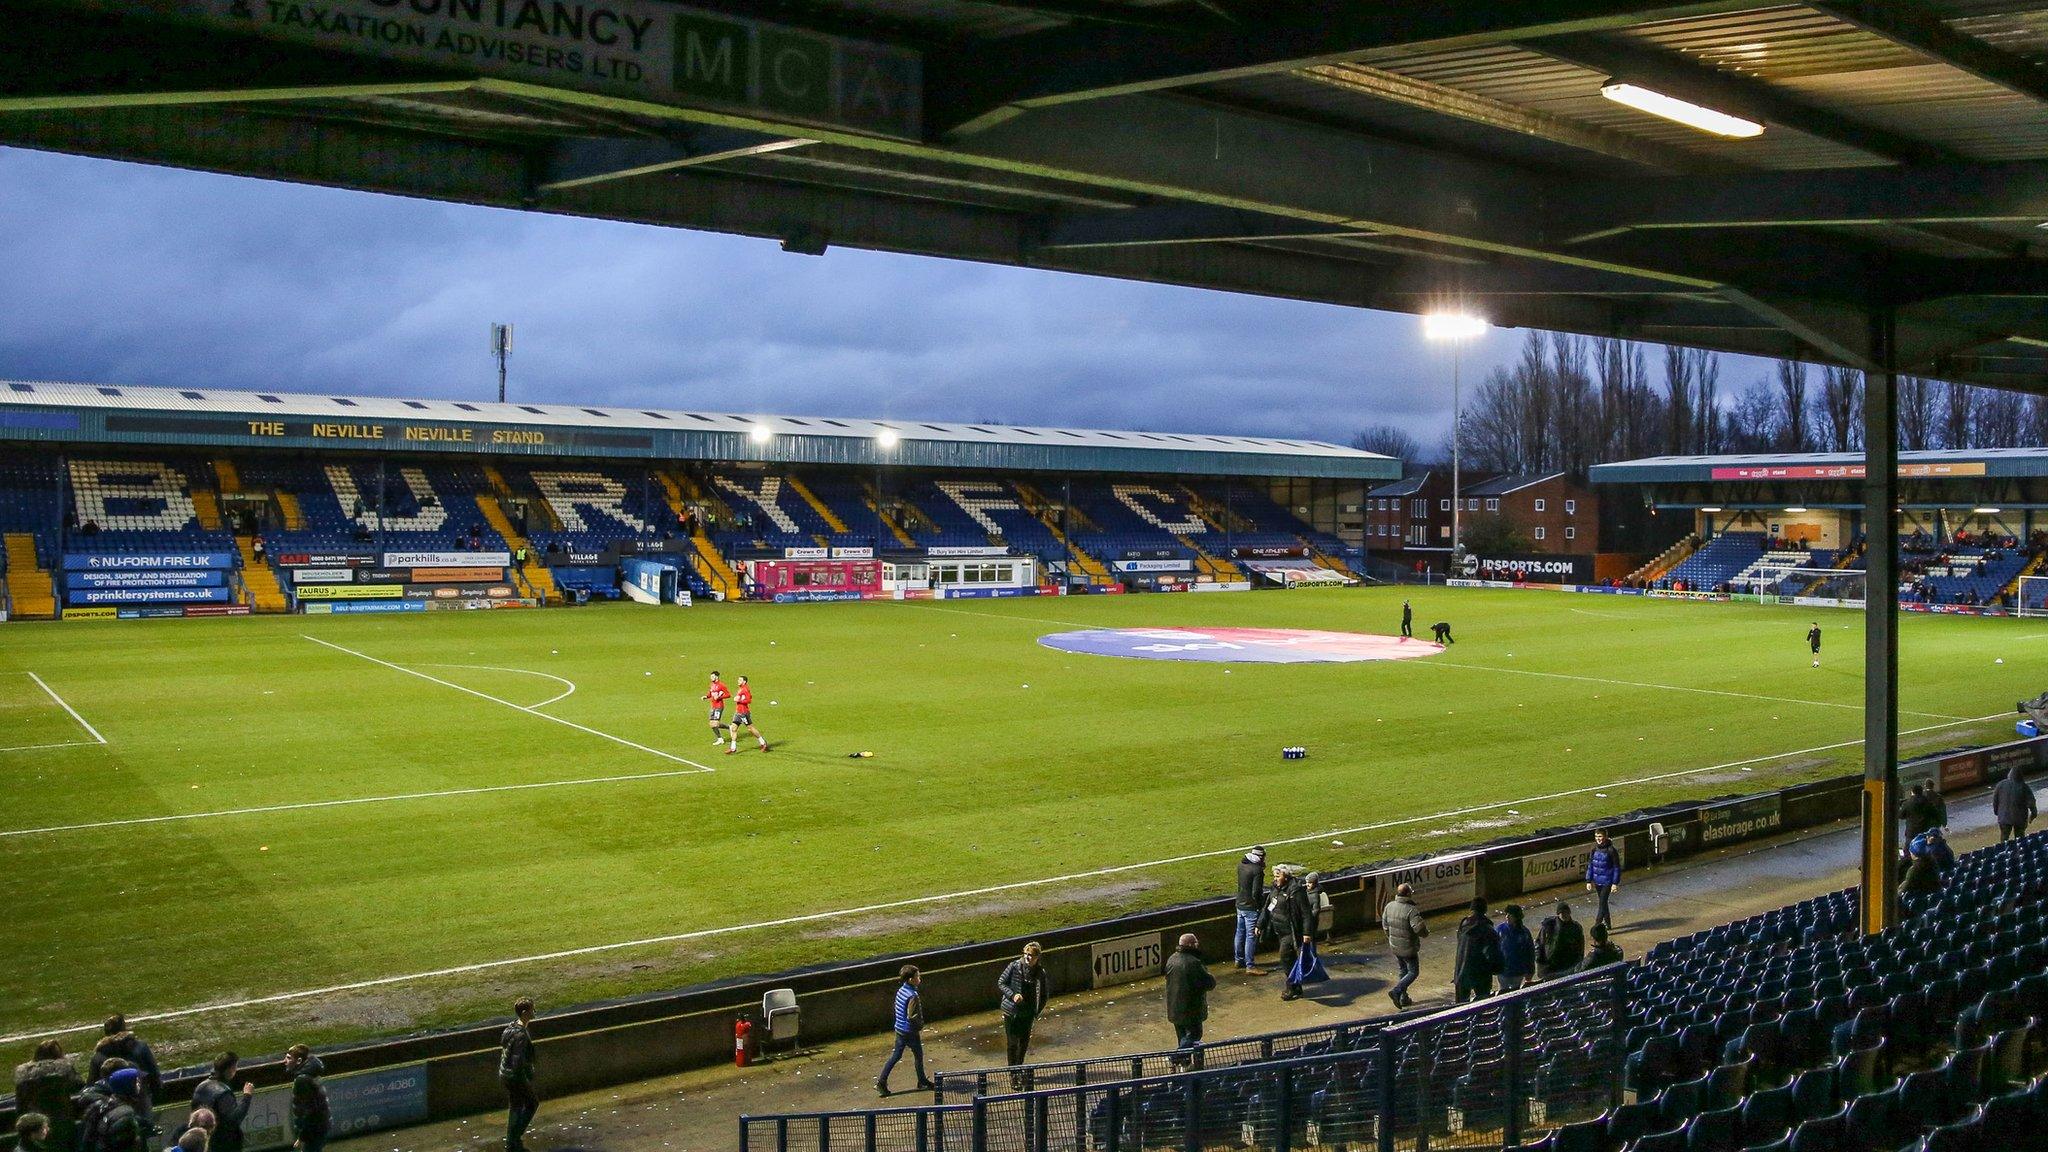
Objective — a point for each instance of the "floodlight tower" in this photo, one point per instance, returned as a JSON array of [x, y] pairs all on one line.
[[501, 347], [1454, 328]]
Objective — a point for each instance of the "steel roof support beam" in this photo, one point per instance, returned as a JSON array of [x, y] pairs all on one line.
[[976, 87], [1907, 23], [1177, 223], [579, 162], [1949, 193], [1677, 75]]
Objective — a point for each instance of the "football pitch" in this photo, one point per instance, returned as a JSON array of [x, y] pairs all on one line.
[[275, 829]]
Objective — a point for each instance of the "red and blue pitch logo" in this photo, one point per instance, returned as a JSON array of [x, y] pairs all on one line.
[[1240, 645]]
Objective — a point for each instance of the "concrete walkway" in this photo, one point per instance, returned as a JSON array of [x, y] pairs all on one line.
[[699, 1110]]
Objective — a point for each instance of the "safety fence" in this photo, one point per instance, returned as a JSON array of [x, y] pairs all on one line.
[[1483, 1075], [1322, 1040]]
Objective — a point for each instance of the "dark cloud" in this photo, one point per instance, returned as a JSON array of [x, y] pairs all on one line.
[[139, 275]]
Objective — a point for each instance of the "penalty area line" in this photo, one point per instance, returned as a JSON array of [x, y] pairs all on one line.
[[1680, 688], [918, 901], [90, 730], [41, 747], [529, 710]]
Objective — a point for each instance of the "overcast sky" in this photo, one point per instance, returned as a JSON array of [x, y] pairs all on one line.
[[126, 274]]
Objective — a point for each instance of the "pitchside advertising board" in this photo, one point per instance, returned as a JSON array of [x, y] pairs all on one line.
[[146, 561], [1743, 819], [185, 578], [1531, 569], [85, 596], [1444, 882], [357, 1104], [1561, 866], [639, 49], [446, 559]]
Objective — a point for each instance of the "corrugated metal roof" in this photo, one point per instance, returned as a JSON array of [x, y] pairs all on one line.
[[1408, 487], [355, 407], [1502, 485], [1995, 462]]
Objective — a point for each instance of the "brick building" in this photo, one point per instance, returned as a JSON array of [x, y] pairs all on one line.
[[1557, 513]]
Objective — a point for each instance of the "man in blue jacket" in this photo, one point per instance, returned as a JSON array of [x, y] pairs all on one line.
[[1517, 950], [1603, 874], [909, 1029]]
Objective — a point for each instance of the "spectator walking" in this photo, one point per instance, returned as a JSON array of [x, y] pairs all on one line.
[[32, 1133], [1407, 621], [1288, 917], [118, 1041], [1024, 990], [230, 1107], [1478, 954], [1916, 814], [1318, 907], [1604, 951], [1603, 874], [909, 1029], [2012, 803], [515, 1072], [1560, 943], [1251, 897], [1405, 932], [1517, 949], [310, 1117], [1188, 985], [45, 1085], [116, 1120]]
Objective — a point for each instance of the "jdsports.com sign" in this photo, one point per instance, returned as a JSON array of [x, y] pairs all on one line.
[[1532, 569]]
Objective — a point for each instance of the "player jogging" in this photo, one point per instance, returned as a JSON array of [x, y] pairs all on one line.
[[1813, 642], [718, 695], [743, 717]]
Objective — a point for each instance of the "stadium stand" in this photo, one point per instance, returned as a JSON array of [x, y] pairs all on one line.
[[1782, 1032], [1716, 562], [768, 511]]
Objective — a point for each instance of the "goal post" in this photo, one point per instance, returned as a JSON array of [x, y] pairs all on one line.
[[1788, 584], [2033, 596]]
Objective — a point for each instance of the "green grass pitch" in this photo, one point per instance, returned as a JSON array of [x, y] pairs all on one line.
[[213, 851]]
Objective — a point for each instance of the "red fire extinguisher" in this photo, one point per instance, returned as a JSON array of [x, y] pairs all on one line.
[[742, 1041]]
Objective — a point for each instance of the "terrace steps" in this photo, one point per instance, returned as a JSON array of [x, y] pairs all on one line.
[[536, 576], [823, 509], [265, 593], [229, 479], [288, 509], [1666, 560], [1040, 507], [206, 507], [874, 499], [28, 585]]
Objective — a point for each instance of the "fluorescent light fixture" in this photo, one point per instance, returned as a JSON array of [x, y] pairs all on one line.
[[760, 434], [885, 439], [1795, 509], [1684, 112], [1452, 326], [1714, 509], [1984, 511]]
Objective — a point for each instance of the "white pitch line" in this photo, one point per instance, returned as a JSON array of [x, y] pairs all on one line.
[[916, 901], [40, 747], [515, 707], [94, 732], [1675, 688], [521, 671], [301, 806]]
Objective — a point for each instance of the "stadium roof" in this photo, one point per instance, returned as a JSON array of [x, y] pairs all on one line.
[[1930, 465], [1407, 487], [105, 413], [1388, 155]]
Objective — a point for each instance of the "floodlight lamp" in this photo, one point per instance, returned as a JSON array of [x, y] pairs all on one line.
[[1452, 326], [760, 434], [1684, 112], [886, 439]]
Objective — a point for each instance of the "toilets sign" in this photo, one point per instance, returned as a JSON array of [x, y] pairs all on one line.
[[641, 49]]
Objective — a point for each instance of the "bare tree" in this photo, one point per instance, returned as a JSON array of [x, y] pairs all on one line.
[[1388, 440], [1753, 421], [1958, 415], [1710, 427], [1838, 410], [2037, 420], [1915, 408], [1789, 424], [1679, 397], [2001, 419]]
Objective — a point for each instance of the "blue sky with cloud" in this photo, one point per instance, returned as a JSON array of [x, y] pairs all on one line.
[[150, 276]]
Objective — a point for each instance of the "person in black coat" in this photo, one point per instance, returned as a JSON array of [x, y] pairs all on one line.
[[1604, 951], [2012, 803], [1251, 898], [1478, 954], [120, 1043], [1188, 985], [1291, 918], [1916, 813], [1560, 944], [311, 1119], [1024, 990], [515, 1072], [46, 1085], [230, 1106]]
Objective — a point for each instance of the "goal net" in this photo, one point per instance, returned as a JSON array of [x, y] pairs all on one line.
[[1786, 584], [2033, 596]]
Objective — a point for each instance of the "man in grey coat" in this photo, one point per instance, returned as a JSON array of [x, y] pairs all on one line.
[[1405, 931], [2012, 802]]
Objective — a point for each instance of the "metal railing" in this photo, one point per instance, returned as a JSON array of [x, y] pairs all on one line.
[[1324, 1039], [1484, 1075]]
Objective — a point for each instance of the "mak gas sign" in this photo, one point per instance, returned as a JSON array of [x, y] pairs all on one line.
[[642, 49]]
